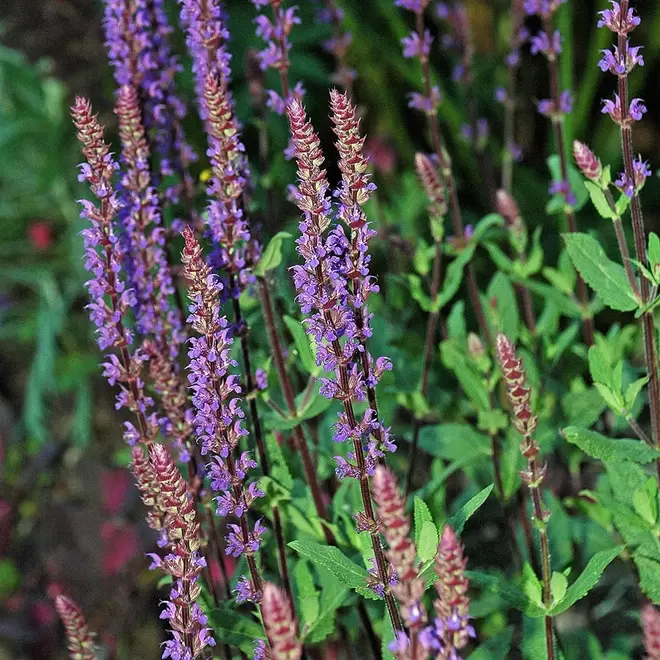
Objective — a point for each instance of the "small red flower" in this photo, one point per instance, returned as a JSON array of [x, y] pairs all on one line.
[[40, 235]]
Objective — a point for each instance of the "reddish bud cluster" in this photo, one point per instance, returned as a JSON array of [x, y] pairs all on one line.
[[81, 643], [651, 627], [280, 624], [587, 161], [427, 172]]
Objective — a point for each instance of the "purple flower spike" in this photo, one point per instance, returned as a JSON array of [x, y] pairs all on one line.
[[631, 185]]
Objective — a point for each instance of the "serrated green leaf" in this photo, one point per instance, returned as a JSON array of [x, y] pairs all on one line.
[[649, 576], [272, 255], [588, 579], [599, 201], [428, 542], [607, 278], [609, 449], [612, 399], [332, 597], [307, 597], [302, 344], [234, 628], [334, 560], [633, 390], [458, 520], [421, 515], [494, 648], [558, 586]]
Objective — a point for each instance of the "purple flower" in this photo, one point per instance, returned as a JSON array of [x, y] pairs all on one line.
[[613, 108], [547, 106], [544, 8], [417, 6], [423, 104], [541, 43], [413, 46], [563, 188], [400, 644], [618, 64], [632, 185], [612, 19]]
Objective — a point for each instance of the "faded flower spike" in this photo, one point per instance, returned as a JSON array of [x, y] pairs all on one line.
[[587, 161], [280, 625], [80, 640], [651, 628], [429, 177]]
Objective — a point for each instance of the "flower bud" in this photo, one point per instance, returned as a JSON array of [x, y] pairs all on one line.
[[587, 161]]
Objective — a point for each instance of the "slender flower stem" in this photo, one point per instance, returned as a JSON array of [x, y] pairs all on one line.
[[429, 343], [560, 140], [650, 343], [450, 185]]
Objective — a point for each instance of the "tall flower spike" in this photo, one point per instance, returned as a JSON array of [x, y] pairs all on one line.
[[427, 173], [324, 294], [188, 630], [651, 628], [402, 553], [280, 625], [104, 257], [80, 640], [218, 415]]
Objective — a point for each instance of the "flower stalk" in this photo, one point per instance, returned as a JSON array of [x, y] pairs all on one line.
[[79, 639], [524, 422]]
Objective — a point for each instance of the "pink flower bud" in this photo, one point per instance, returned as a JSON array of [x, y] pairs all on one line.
[[587, 161]]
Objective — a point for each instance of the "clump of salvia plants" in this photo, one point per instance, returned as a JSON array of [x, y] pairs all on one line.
[[334, 460]]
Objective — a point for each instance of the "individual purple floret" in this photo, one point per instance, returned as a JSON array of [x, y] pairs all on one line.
[[543, 8], [612, 19], [630, 185]]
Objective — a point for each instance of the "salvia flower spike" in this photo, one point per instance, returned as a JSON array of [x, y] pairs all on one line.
[[324, 294], [408, 587], [218, 416], [110, 299], [189, 633], [79, 639], [280, 626]]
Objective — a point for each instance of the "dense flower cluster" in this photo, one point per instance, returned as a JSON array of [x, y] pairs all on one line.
[[161, 482], [587, 161], [651, 628], [110, 299], [218, 415], [280, 626], [137, 38], [620, 61], [80, 640], [334, 283]]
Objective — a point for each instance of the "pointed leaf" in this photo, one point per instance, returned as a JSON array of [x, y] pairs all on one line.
[[609, 449], [458, 520]]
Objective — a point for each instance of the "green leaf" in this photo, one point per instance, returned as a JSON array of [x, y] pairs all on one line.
[[279, 467], [234, 628], [510, 594], [612, 398], [607, 278], [454, 441], [471, 381], [508, 320], [334, 560], [494, 648], [307, 597], [633, 390], [10, 577], [645, 502], [588, 579], [303, 346], [418, 293], [609, 449], [599, 201], [558, 586], [532, 587], [421, 515], [458, 520], [428, 542], [649, 576], [333, 596], [272, 255], [654, 250]]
